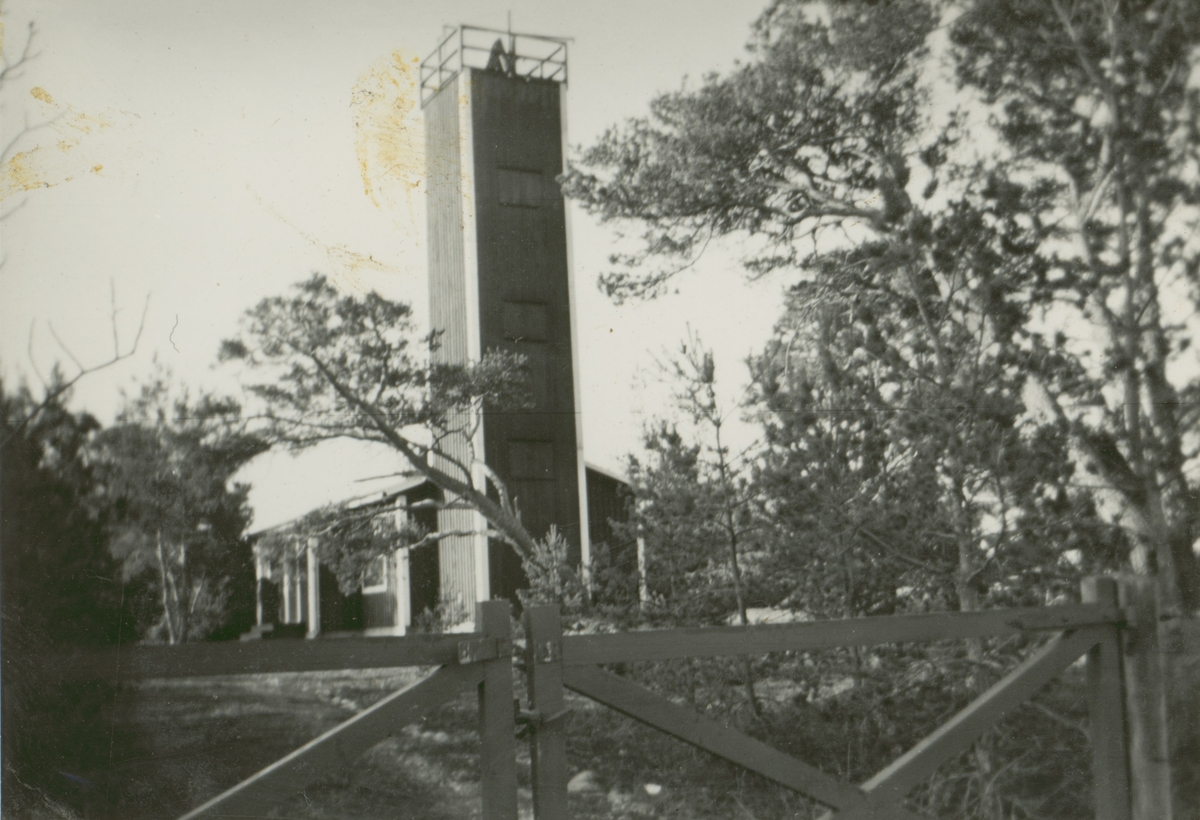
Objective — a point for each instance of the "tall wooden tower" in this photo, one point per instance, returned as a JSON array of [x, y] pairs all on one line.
[[499, 278]]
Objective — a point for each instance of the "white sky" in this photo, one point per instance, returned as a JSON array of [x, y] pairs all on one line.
[[204, 154]]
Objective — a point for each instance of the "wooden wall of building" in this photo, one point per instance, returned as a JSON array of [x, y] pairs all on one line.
[[608, 501]]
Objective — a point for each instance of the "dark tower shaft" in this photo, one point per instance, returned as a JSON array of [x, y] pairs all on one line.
[[499, 278]]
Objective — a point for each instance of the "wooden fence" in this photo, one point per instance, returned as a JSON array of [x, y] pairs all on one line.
[[1118, 632]]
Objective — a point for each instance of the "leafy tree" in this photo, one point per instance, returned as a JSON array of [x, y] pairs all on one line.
[[857, 524], [166, 466], [555, 579], [668, 493], [896, 414], [697, 526], [59, 583], [695, 511], [1099, 103], [58, 587], [907, 465], [816, 132], [788, 148], [346, 366], [695, 504], [949, 304]]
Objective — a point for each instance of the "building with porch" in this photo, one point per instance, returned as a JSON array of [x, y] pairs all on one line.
[[402, 590]]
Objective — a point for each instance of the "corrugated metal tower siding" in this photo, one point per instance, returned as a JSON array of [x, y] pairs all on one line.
[[523, 282], [448, 308], [444, 181]]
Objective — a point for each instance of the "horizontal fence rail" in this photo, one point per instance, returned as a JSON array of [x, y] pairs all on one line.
[[269, 656], [141, 662], [719, 641]]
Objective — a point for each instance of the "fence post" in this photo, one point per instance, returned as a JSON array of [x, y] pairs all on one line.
[[1145, 702], [548, 743], [1106, 711], [1180, 640], [497, 747]]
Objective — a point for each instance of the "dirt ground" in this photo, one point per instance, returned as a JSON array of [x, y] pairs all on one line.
[[190, 739], [185, 741]]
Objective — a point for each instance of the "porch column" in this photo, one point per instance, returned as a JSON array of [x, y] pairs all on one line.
[[288, 587], [258, 582], [314, 590], [643, 585], [403, 597]]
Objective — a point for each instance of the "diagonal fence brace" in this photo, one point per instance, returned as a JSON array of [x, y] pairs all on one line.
[[646, 706], [889, 787], [283, 779]]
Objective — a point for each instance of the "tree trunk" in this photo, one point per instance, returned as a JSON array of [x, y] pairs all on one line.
[[166, 596], [735, 568], [183, 603]]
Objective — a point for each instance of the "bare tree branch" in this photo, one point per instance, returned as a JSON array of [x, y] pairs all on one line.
[[11, 70], [56, 389], [509, 527]]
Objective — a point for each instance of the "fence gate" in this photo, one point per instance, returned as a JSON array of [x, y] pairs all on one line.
[[1118, 634], [480, 660], [555, 661]]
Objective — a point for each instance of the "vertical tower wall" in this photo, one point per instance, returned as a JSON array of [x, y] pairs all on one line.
[[524, 299], [453, 312], [500, 279]]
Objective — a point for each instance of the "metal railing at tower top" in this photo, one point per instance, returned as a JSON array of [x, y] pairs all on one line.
[[528, 56]]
